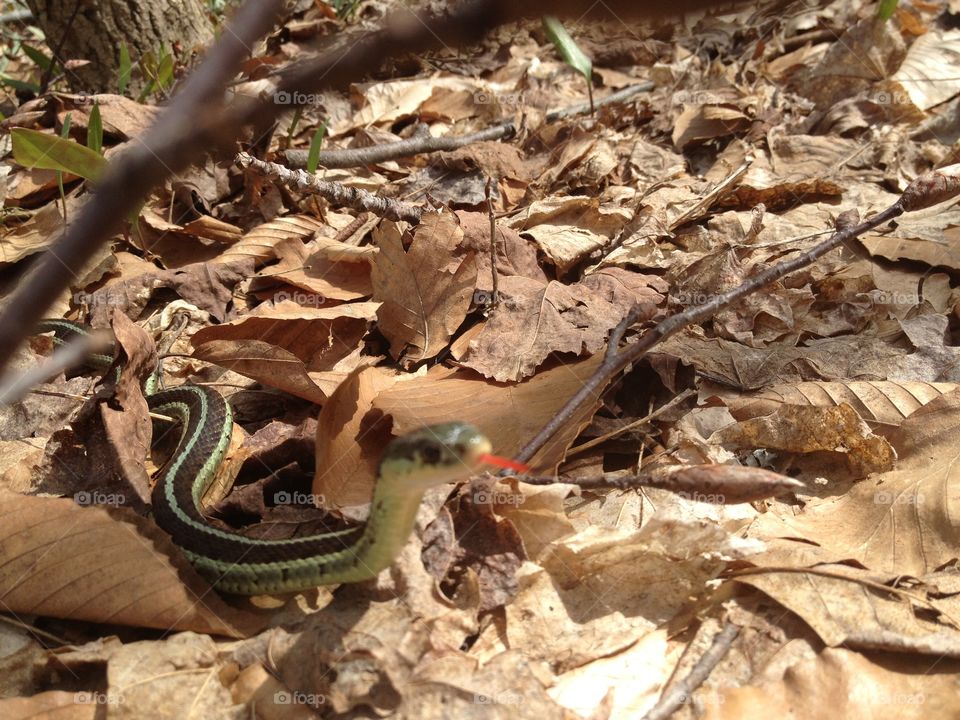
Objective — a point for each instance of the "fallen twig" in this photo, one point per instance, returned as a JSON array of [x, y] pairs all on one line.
[[419, 143], [714, 484], [338, 194], [680, 693]]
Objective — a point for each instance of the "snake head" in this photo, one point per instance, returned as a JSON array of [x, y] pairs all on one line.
[[435, 455]]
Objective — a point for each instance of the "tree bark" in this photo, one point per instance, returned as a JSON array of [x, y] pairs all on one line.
[[94, 31]]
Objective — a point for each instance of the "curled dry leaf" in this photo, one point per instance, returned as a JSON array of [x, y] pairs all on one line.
[[507, 414], [350, 439], [803, 429], [901, 521], [103, 565], [281, 345]]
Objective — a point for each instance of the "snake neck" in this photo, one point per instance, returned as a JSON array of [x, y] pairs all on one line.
[[387, 529]]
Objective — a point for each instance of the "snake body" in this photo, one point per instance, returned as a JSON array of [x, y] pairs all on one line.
[[233, 563]]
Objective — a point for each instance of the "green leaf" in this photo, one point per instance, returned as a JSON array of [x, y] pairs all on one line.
[[568, 49], [95, 130], [123, 80], [313, 157], [65, 130], [165, 70], [39, 59], [886, 8], [20, 84], [34, 149]]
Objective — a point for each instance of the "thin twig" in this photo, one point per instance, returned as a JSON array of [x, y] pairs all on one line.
[[679, 693], [631, 425], [495, 300], [338, 194], [69, 355], [358, 157]]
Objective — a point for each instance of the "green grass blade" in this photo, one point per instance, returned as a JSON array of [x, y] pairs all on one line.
[[568, 49], [313, 157], [123, 79], [886, 8], [95, 130], [34, 149]]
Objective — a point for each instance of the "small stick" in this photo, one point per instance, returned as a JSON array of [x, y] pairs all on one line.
[[679, 693], [631, 425], [495, 300], [70, 354], [337, 193]]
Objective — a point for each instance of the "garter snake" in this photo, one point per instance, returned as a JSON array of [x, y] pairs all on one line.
[[233, 563]]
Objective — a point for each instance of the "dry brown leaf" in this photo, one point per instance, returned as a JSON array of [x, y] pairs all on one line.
[[264, 362], [843, 611], [603, 589], [705, 122], [126, 418], [37, 232], [425, 291], [508, 414], [209, 286], [350, 440], [568, 229], [842, 683], [929, 72], [901, 522], [260, 243], [319, 337], [515, 256], [806, 429], [323, 269], [103, 565], [534, 320]]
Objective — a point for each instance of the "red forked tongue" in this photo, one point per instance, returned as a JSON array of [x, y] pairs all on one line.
[[503, 462]]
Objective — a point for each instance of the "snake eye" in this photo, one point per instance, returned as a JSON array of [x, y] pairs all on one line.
[[431, 454]]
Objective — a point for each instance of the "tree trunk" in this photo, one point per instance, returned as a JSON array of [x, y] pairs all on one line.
[[94, 31]]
